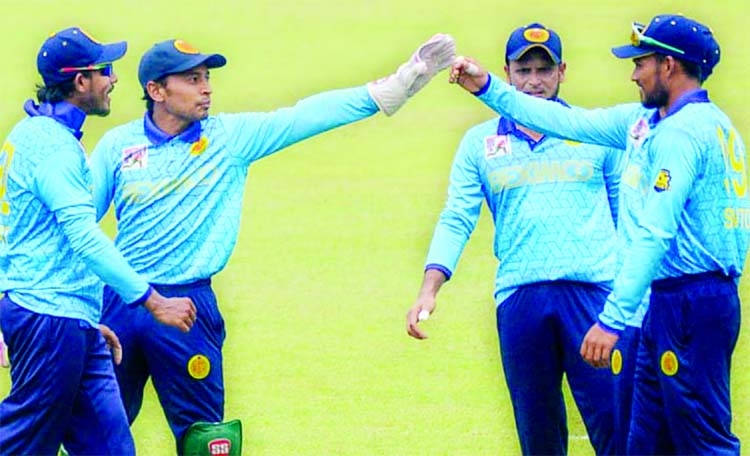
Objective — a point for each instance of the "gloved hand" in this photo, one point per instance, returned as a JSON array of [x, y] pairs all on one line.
[[391, 92]]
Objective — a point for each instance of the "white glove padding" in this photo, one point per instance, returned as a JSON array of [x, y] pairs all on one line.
[[391, 92]]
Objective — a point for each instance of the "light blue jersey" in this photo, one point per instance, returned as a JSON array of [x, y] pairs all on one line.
[[51, 248], [553, 203], [178, 200], [684, 202]]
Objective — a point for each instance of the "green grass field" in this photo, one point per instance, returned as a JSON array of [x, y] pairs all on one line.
[[335, 229]]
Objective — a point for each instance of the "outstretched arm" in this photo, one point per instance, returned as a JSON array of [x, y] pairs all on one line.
[[604, 126], [260, 134]]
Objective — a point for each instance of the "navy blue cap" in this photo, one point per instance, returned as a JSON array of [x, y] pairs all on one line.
[[675, 35], [72, 49], [533, 36], [171, 57]]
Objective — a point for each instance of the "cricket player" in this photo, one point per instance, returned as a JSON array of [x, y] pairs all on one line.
[[553, 203], [685, 209], [53, 258], [176, 178]]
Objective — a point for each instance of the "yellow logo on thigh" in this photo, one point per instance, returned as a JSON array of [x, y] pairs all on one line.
[[199, 367], [669, 363], [616, 362]]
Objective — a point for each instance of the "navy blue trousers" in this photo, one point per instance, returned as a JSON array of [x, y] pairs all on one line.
[[684, 359], [63, 388], [541, 327], [185, 368]]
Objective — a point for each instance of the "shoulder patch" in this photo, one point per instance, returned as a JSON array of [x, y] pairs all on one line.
[[662, 180]]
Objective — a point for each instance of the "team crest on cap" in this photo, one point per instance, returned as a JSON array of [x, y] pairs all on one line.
[[616, 362], [135, 157], [199, 146], [662, 181], [220, 447], [669, 363], [184, 47], [199, 367], [536, 35], [496, 146]]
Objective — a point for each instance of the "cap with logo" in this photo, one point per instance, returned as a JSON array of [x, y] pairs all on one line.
[[64, 53], [533, 36], [675, 35], [171, 57]]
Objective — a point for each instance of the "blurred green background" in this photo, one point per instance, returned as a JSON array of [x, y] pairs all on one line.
[[335, 229]]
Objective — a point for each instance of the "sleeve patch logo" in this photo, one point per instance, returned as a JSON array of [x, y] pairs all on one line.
[[669, 363], [662, 180], [496, 146], [135, 157], [199, 367]]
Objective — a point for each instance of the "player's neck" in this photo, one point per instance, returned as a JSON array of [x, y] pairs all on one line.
[[168, 123], [678, 88], [535, 135]]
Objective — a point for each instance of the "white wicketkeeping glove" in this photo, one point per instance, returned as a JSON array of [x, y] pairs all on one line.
[[391, 92]]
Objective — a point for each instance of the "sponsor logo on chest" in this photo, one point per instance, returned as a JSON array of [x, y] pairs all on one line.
[[135, 157], [639, 131], [496, 146]]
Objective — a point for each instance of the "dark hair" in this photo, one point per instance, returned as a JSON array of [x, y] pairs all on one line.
[[149, 101], [58, 92], [691, 69]]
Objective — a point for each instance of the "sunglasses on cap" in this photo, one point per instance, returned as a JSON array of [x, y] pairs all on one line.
[[637, 37], [104, 68]]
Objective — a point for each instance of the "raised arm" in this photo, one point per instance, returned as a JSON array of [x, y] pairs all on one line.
[[261, 134], [605, 126]]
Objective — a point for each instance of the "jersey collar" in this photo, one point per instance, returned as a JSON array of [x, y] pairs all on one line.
[[157, 136], [67, 114], [506, 126], [691, 96]]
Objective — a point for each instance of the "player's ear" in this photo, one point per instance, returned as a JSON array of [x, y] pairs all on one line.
[[672, 65], [155, 90], [561, 70], [81, 82]]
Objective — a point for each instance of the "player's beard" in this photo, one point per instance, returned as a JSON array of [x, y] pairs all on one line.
[[96, 104], [657, 98]]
